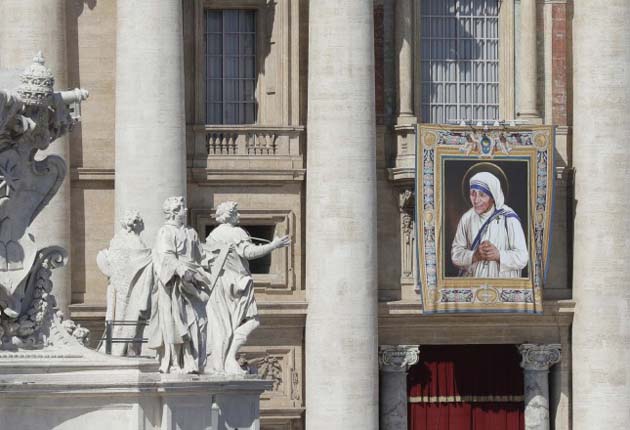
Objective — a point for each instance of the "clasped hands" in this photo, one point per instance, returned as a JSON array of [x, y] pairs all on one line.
[[486, 251]]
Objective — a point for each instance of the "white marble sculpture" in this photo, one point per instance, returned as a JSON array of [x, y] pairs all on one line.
[[177, 326], [30, 120], [231, 310], [127, 264]]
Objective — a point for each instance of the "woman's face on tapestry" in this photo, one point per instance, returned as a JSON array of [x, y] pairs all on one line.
[[480, 201]]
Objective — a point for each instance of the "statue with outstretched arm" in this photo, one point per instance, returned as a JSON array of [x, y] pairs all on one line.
[[232, 312]]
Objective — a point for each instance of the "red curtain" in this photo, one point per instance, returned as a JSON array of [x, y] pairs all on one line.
[[466, 387]]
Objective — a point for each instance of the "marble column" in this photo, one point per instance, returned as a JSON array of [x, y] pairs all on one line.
[[341, 279], [394, 362], [528, 55], [601, 156], [536, 361], [404, 44], [26, 27], [150, 116]]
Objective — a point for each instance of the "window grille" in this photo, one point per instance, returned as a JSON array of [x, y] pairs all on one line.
[[459, 60], [230, 54]]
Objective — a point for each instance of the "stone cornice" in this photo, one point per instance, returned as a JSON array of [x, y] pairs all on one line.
[[92, 174], [249, 177], [398, 358], [539, 357]]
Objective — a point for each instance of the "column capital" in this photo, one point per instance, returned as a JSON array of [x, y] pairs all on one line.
[[397, 358], [539, 357]]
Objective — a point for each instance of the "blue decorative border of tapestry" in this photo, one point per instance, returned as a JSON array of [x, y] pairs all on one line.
[[533, 145]]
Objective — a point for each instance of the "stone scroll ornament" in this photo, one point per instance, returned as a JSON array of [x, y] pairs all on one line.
[[31, 118], [483, 211]]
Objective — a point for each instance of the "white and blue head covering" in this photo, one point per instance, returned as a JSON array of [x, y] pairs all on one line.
[[490, 185]]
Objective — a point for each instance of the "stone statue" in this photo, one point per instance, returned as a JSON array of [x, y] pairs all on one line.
[[231, 310], [30, 120], [127, 264], [177, 327]]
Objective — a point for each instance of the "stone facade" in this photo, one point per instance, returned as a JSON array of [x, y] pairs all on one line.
[[263, 166]]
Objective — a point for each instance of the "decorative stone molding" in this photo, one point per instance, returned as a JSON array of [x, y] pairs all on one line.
[[405, 153], [539, 357], [406, 205], [249, 140], [398, 358], [269, 367], [282, 367], [233, 153]]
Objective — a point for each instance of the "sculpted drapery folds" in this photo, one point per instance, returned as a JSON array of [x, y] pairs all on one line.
[[127, 264], [177, 326], [200, 297], [232, 311]]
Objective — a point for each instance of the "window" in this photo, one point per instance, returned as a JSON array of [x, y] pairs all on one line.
[[230, 73], [260, 234], [459, 60]]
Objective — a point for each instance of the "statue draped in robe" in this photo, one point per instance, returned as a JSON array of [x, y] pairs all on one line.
[[177, 326], [127, 264], [232, 312]]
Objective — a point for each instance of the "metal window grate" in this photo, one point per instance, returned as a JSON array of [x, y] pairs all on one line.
[[459, 60], [230, 66]]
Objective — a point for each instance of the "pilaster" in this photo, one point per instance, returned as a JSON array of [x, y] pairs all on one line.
[[528, 97], [404, 46]]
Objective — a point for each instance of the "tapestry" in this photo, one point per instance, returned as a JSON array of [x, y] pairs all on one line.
[[483, 217]]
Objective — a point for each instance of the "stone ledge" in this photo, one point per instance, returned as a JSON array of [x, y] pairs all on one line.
[[92, 174], [407, 308], [244, 176]]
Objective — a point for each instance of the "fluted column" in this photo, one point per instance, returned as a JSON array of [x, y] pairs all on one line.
[[536, 361], [601, 156], [341, 326], [150, 121], [528, 102], [394, 362], [404, 44], [26, 27]]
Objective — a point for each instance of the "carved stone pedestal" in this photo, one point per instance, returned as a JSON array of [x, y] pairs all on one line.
[[394, 362], [41, 392], [536, 361]]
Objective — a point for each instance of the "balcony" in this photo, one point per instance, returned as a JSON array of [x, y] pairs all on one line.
[[247, 152]]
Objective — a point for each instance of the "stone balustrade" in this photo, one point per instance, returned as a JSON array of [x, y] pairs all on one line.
[[249, 140], [236, 152]]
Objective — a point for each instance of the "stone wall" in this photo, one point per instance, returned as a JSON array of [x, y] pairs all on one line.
[[270, 188]]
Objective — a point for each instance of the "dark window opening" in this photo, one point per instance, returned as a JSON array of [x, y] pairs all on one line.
[[260, 234]]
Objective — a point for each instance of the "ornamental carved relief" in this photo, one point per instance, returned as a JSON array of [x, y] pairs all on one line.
[[407, 236], [398, 358], [282, 366], [539, 357]]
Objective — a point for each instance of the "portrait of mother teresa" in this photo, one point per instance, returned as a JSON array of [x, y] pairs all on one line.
[[489, 242]]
